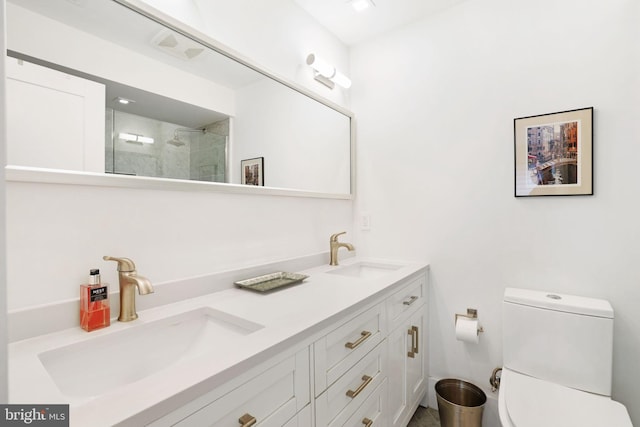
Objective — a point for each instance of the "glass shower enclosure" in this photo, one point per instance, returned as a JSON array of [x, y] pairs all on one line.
[[142, 146]]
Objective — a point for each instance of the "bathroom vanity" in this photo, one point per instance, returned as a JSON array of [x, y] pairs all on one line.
[[346, 347]]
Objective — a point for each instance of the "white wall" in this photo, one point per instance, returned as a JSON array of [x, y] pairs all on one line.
[[277, 34], [67, 46], [64, 230], [313, 153], [435, 103], [56, 233]]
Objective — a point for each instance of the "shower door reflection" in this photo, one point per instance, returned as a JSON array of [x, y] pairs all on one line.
[[143, 146]]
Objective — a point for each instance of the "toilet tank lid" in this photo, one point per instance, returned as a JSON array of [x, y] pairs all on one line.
[[559, 302]]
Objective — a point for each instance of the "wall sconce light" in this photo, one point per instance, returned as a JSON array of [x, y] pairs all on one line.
[[326, 73], [131, 137]]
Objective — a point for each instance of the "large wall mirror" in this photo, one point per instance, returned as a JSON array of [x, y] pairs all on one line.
[[104, 87]]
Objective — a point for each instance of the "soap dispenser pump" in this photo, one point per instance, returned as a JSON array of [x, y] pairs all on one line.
[[95, 312]]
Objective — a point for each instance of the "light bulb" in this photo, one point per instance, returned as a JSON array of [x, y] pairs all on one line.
[[145, 139], [128, 136]]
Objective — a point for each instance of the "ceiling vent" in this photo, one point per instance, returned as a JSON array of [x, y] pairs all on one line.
[[177, 45]]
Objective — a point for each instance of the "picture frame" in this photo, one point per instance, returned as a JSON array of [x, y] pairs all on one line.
[[252, 171], [554, 154]]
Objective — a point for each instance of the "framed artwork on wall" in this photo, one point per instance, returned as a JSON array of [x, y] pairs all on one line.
[[554, 154], [252, 171]]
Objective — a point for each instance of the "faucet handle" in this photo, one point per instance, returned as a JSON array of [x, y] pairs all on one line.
[[124, 264], [334, 237]]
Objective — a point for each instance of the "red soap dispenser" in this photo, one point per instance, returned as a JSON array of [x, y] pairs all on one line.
[[94, 303]]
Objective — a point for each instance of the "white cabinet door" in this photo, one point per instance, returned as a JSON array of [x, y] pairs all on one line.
[[416, 357], [54, 120], [301, 419], [407, 367], [397, 374]]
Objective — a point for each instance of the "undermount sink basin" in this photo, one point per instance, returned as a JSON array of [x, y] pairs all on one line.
[[365, 270], [95, 366]]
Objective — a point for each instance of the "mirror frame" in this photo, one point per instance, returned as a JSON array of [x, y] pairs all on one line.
[[55, 176]]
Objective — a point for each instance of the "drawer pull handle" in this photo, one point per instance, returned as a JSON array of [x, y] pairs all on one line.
[[411, 300], [367, 422], [414, 341], [247, 420], [366, 379], [364, 336]]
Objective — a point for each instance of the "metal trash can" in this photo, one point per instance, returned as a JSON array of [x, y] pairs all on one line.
[[460, 404]]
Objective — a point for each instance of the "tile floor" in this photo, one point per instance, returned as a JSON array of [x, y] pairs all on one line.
[[425, 417]]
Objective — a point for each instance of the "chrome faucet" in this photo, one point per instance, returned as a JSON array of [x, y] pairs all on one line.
[[335, 245], [129, 279]]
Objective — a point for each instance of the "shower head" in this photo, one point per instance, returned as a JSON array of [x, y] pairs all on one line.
[[175, 141]]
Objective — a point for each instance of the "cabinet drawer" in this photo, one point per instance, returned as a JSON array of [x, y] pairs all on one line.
[[272, 398], [400, 304], [340, 400], [339, 350], [302, 419], [371, 413]]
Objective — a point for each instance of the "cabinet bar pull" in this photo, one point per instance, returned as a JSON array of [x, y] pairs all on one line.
[[364, 336], [366, 380], [414, 341], [247, 420], [411, 300], [367, 422]]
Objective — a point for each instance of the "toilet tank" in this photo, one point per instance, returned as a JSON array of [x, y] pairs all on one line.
[[559, 338]]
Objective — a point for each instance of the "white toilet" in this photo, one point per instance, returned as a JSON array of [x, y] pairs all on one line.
[[557, 362]]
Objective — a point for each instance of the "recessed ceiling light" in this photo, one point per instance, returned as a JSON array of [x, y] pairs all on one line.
[[124, 101], [360, 5]]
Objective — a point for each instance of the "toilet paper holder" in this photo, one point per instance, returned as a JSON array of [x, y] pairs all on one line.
[[472, 313]]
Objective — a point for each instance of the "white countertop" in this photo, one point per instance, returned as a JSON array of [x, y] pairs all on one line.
[[289, 316]]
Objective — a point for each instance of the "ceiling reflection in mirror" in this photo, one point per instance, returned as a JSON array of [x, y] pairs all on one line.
[[95, 86]]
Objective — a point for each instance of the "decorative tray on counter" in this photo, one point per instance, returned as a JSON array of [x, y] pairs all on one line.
[[271, 281]]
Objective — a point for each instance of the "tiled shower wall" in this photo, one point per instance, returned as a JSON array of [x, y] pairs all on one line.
[[203, 157]]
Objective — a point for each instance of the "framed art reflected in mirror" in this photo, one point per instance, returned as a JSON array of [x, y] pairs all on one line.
[[252, 171]]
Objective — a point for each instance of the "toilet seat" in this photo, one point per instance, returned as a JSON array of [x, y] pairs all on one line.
[[525, 401]]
